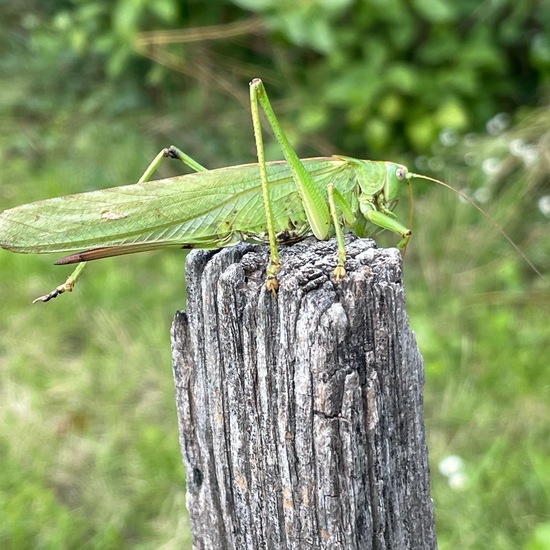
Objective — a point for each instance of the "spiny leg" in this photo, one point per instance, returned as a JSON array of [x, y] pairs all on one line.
[[312, 199], [175, 153], [274, 263], [340, 270], [167, 152], [336, 199], [314, 203], [385, 221]]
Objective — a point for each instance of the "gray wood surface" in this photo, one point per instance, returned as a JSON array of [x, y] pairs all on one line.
[[300, 417]]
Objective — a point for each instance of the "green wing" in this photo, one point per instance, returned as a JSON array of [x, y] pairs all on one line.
[[205, 209]]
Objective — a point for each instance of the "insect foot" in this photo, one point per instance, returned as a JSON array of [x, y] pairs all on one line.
[[65, 287], [339, 273], [271, 282]]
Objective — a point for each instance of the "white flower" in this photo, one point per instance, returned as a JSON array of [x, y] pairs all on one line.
[[450, 465]]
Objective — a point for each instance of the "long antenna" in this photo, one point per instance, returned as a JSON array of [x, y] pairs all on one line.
[[500, 229]]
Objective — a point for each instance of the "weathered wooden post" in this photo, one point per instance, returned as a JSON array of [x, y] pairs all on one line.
[[300, 417]]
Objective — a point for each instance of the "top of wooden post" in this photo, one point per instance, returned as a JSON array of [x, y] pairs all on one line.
[[301, 416]]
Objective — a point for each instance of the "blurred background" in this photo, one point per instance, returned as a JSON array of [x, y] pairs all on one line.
[[92, 90]]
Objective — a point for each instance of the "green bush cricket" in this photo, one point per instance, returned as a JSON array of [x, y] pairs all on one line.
[[268, 202]]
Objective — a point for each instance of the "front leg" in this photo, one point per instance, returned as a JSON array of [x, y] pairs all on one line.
[[336, 199], [386, 221]]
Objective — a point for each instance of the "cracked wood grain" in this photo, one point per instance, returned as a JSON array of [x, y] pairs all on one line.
[[300, 417]]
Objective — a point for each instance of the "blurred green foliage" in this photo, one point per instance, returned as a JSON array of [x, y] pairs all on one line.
[[91, 90], [388, 74]]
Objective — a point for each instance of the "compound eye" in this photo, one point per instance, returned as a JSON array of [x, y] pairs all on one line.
[[400, 173]]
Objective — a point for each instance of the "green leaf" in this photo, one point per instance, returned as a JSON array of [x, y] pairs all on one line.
[[305, 30], [480, 50], [402, 77], [377, 133], [333, 5], [436, 11], [256, 5], [540, 538], [540, 50], [165, 10], [355, 87], [452, 115], [391, 107], [422, 132]]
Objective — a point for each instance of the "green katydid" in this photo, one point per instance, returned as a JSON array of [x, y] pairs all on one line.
[[267, 202]]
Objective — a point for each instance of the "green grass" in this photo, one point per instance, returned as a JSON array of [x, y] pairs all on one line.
[[87, 417], [487, 400], [89, 443], [481, 321]]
